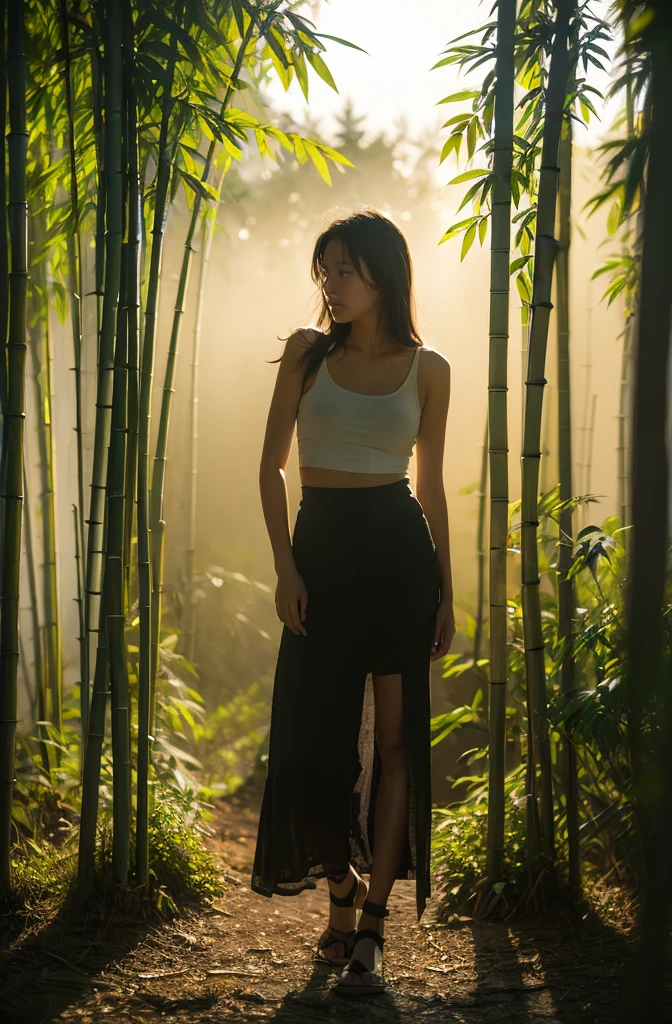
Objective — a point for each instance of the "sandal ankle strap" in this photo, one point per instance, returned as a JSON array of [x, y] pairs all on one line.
[[369, 933], [346, 901], [375, 909]]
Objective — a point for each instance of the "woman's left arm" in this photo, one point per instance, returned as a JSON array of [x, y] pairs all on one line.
[[429, 486]]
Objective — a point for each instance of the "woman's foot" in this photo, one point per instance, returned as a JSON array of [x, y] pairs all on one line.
[[362, 975], [335, 943]]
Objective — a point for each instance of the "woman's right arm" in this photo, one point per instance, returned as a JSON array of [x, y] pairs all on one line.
[[291, 596]]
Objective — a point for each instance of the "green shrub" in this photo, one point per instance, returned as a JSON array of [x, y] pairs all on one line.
[[459, 837]]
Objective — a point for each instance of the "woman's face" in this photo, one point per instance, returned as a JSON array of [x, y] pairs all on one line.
[[348, 295]]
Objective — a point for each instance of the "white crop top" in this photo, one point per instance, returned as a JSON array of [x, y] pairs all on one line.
[[341, 429]]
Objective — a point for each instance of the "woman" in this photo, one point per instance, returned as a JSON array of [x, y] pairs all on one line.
[[365, 594]]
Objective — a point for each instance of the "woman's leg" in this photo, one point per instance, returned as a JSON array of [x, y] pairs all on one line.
[[391, 822]]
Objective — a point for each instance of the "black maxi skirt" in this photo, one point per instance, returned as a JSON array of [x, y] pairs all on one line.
[[371, 571]]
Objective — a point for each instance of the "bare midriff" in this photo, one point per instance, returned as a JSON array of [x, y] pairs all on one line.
[[315, 476]]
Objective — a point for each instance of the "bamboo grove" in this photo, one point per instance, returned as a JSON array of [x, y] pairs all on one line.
[[519, 128], [112, 107], [113, 111]]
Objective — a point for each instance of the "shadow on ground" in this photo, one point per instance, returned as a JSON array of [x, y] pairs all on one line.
[[247, 959], [49, 968]]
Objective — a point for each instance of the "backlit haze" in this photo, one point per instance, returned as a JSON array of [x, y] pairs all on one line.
[[259, 288]]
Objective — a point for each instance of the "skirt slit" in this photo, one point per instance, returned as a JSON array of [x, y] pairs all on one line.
[[372, 577]]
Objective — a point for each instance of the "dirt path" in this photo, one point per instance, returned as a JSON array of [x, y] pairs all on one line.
[[251, 959]]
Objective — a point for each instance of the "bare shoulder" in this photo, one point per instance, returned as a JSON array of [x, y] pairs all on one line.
[[436, 366], [299, 342], [305, 336]]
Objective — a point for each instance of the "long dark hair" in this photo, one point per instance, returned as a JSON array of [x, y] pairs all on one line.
[[370, 237]]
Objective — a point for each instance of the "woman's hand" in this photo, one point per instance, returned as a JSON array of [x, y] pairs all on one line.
[[444, 630], [291, 600]]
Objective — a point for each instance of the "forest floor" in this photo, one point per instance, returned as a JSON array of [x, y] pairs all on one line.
[[249, 958]]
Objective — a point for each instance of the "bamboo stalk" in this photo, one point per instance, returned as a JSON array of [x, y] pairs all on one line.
[[108, 646], [80, 612], [132, 286], [648, 666], [590, 433], [500, 247], [480, 548], [189, 632], [115, 315], [92, 756], [584, 428], [99, 135], [623, 392], [75, 282], [40, 679], [38, 336], [14, 417], [92, 550], [566, 596], [161, 452], [4, 251], [145, 659], [545, 252]]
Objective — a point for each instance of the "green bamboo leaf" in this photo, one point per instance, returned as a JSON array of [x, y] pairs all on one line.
[[283, 68], [202, 188], [522, 284], [466, 94], [343, 42], [471, 137], [276, 43], [455, 229], [451, 60], [231, 148], [516, 264], [239, 118], [462, 119], [262, 144], [299, 63], [482, 229], [238, 15], [470, 194], [453, 143], [614, 291], [318, 160], [322, 70], [468, 175], [468, 240], [443, 63], [174, 29], [207, 130], [333, 154], [614, 219], [302, 27], [279, 136], [299, 148]]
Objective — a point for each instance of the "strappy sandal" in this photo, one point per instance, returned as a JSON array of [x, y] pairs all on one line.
[[334, 936], [356, 979]]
